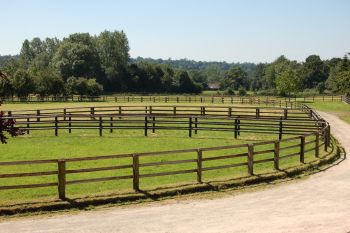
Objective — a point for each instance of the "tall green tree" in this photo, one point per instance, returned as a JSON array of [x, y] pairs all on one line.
[[235, 78], [288, 82], [48, 82], [22, 83], [314, 71], [113, 50], [186, 85], [338, 68], [77, 56]]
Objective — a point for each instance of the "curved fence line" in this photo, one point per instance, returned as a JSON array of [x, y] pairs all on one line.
[[191, 118], [346, 99], [166, 110], [313, 134]]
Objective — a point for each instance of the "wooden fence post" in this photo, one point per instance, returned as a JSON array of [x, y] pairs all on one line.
[[250, 159], [236, 123], [199, 166], [135, 172], [195, 125], [280, 130], [28, 126], [302, 148], [229, 112], [100, 125], [325, 136], [276, 155], [328, 136], [92, 111], [120, 111], [38, 115], [311, 113], [153, 124], [174, 111], [70, 123], [111, 125], [317, 142], [238, 126], [286, 113], [190, 127], [61, 179], [146, 125], [64, 113], [257, 112], [56, 126]]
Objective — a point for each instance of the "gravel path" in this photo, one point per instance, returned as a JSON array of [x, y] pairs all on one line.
[[318, 204]]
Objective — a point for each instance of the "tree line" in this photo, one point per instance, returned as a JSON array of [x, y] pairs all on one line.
[[90, 65], [87, 65], [280, 77]]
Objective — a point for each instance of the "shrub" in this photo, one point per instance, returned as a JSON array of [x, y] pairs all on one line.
[[229, 91], [242, 91]]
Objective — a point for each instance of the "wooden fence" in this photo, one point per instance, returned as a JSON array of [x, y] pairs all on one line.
[[171, 110], [250, 157], [306, 123], [190, 118], [346, 99], [275, 100]]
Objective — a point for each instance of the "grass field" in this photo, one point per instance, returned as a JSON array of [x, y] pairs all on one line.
[[81, 143], [339, 108]]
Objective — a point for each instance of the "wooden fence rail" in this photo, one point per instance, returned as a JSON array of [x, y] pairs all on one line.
[[274, 100], [346, 99], [200, 161], [173, 110], [153, 123], [309, 127]]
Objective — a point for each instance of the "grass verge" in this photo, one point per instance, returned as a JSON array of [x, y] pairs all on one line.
[[341, 109]]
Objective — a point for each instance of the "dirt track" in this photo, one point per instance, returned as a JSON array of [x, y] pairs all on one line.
[[318, 204]]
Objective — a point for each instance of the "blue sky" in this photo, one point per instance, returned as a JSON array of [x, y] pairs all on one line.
[[220, 30]]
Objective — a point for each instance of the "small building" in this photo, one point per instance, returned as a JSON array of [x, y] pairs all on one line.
[[214, 86]]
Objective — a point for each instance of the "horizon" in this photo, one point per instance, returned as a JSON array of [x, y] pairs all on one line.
[[236, 31]]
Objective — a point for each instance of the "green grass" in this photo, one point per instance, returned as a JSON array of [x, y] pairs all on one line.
[[339, 108], [43, 145], [81, 143], [46, 105]]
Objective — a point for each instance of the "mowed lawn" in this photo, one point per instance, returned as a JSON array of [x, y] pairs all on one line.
[[81, 143], [341, 109]]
